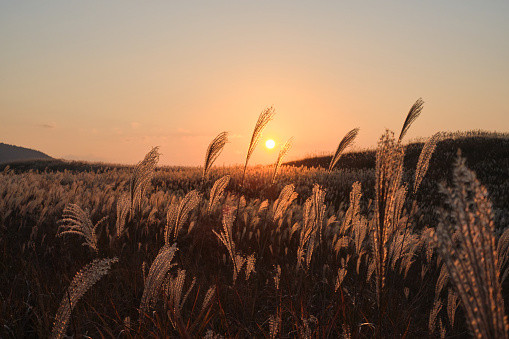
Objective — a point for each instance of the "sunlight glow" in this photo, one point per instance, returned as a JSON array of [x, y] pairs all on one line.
[[270, 143]]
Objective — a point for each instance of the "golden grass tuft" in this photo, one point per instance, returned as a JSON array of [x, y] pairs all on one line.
[[466, 243]]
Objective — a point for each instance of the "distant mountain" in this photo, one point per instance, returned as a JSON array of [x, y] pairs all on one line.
[[10, 153]]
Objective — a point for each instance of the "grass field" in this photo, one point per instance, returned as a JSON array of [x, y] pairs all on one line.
[[358, 252]]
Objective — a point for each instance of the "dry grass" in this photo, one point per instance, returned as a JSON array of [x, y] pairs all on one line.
[[323, 253]]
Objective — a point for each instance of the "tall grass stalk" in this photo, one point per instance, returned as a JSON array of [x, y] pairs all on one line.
[[388, 196], [141, 177], [213, 151], [347, 141], [424, 158], [263, 119], [80, 284], [466, 243], [282, 153], [413, 114], [158, 270]]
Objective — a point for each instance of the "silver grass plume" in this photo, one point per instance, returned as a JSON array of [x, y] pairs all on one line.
[[345, 142], [227, 239], [142, 175], [177, 216], [286, 197], [424, 158], [389, 195], [466, 243], [314, 209], [80, 284], [174, 290], [77, 221], [413, 114], [282, 153], [352, 215], [156, 275], [123, 209], [217, 192], [265, 116], [213, 151]]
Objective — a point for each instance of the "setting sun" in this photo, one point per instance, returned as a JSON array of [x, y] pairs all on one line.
[[270, 143]]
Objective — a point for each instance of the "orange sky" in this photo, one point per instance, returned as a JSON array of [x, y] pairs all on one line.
[[107, 81]]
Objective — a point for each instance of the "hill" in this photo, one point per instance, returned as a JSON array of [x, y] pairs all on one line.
[[11, 153]]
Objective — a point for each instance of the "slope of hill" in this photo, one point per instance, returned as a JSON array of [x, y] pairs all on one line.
[[10, 153]]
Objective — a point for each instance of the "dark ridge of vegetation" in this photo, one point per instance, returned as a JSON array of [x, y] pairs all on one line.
[[58, 165], [487, 154], [476, 149], [11, 153]]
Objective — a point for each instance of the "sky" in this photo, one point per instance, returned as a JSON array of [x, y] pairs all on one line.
[[108, 80]]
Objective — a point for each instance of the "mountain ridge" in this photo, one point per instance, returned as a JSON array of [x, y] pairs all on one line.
[[12, 153]]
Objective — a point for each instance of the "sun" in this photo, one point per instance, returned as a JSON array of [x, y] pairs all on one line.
[[270, 143]]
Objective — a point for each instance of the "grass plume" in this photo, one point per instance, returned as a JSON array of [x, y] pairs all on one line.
[[282, 153], [263, 119], [77, 221], [156, 275], [388, 173], [413, 114], [177, 215], [217, 192], [123, 209], [141, 177], [466, 243], [347, 140], [424, 158], [213, 151], [80, 284]]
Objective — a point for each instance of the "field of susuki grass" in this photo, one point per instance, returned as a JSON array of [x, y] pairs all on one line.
[[404, 241]]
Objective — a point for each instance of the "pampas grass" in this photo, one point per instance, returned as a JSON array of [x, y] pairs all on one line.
[[466, 243], [286, 197], [77, 221], [424, 158], [213, 151], [141, 177], [217, 192], [347, 140], [413, 114], [282, 153], [80, 284], [156, 275], [177, 214], [264, 118], [388, 172], [123, 209]]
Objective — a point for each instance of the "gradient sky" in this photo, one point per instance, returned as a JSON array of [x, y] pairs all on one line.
[[107, 80]]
